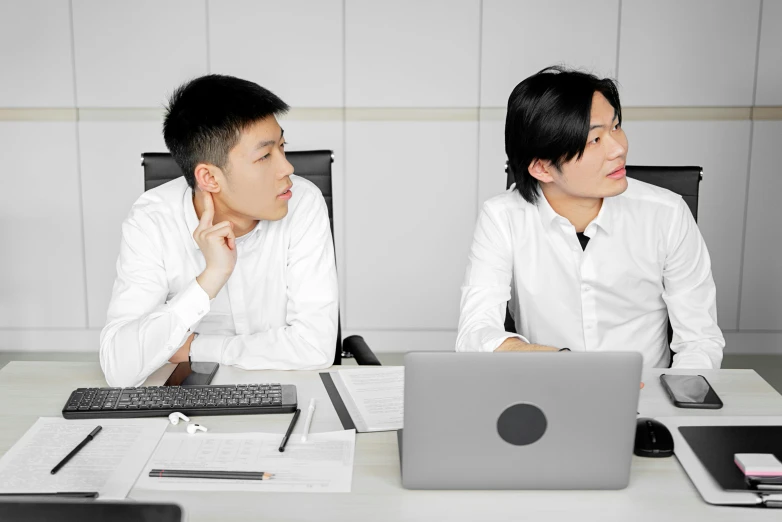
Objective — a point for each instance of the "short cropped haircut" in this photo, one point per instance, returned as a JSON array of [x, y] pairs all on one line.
[[206, 116], [548, 119]]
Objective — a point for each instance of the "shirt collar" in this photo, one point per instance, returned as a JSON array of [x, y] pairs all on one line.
[[603, 220], [191, 218], [547, 214]]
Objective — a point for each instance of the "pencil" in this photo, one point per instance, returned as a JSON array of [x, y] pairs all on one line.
[[210, 474]]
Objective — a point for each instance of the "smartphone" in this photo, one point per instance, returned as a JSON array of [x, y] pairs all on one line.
[[690, 391], [189, 374]]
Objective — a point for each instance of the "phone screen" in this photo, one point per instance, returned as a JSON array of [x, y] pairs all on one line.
[[691, 389], [188, 374]]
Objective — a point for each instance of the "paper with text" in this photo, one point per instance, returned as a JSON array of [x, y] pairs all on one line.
[[109, 464], [373, 397], [323, 464]]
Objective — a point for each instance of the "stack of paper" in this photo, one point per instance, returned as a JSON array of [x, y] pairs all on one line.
[[373, 397]]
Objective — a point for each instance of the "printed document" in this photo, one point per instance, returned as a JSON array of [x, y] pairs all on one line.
[[373, 397], [323, 464], [108, 464]]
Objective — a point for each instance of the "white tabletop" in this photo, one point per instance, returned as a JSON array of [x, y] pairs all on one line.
[[659, 489]]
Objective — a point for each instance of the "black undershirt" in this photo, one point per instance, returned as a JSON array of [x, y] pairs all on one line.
[[582, 239]]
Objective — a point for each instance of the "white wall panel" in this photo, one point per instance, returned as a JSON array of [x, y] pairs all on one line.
[[693, 53]]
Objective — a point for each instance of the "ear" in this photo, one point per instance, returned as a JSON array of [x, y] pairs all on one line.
[[208, 177], [541, 170]]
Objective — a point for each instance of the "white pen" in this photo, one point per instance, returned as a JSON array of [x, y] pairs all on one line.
[[307, 423]]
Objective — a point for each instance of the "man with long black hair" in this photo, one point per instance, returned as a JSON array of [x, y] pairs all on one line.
[[585, 258]]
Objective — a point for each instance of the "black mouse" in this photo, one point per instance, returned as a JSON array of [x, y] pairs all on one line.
[[652, 439]]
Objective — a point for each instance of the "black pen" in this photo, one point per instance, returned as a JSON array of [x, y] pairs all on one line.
[[78, 448], [290, 429], [69, 494]]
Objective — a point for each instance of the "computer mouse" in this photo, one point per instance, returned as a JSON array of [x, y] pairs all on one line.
[[652, 439]]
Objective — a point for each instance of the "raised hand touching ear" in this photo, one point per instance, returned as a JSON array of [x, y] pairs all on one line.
[[217, 244]]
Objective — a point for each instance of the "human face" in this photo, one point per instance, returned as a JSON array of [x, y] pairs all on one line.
[[257, 183], [600, 171]]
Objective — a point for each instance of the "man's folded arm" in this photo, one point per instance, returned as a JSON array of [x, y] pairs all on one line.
[[143, 330], [308, 339]]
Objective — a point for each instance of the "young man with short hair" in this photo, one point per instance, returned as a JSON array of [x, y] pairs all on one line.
[[234, 261], [585, 258]]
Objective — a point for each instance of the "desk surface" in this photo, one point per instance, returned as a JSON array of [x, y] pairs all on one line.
[[659, 489]]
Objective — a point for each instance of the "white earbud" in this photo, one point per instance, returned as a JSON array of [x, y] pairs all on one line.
[[174, 418], [192, 428]]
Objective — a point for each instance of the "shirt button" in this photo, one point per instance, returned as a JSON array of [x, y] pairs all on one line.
[[586, 288]]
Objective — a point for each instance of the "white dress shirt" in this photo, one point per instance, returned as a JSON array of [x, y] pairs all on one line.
[[278, 309], [646, 261]]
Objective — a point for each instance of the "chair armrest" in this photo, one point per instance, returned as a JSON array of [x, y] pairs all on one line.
[[357, 346]]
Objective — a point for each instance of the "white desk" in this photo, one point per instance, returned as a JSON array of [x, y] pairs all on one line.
[[659, 489]]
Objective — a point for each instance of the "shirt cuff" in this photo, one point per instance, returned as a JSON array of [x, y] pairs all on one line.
[[692, 361], [190, 305], [491, 344], [207, 348]]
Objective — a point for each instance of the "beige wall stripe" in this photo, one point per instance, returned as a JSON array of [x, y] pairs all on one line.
[[395, 114], [37, 114]]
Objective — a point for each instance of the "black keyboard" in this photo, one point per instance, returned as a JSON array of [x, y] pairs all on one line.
[[159, 401]]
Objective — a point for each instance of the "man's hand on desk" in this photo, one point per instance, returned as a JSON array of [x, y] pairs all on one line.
[[514, 344], [183, 354], [217, 244]]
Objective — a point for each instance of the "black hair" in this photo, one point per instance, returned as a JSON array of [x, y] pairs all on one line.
[[548, 119], [205, 118]]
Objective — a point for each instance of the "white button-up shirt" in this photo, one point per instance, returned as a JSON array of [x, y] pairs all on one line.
[[278, 309], [646, 261]]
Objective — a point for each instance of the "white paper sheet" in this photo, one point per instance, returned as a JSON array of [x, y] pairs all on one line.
[[109, 464], [374, 398], [322, 464]]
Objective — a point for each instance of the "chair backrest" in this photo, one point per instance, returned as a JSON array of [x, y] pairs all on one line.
[[314, 165], [684, 181]]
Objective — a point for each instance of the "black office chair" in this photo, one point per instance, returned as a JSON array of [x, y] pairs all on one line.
[[314, 165], [684, 181]]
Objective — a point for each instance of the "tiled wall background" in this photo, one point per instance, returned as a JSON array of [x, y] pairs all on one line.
[[410, 95]]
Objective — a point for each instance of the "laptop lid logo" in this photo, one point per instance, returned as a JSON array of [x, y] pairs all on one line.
[[522, 424]]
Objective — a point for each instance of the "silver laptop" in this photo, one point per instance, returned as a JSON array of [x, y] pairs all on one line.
[[519, 420]]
